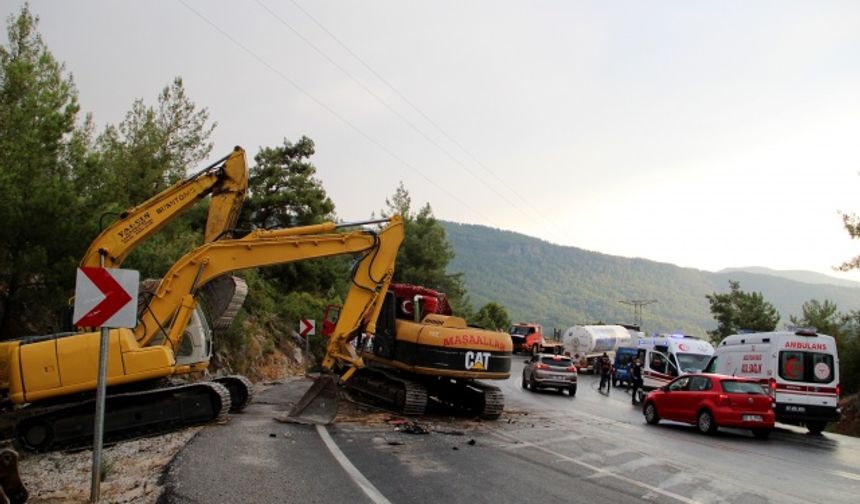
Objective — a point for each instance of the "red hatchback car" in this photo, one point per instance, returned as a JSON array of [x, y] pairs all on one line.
[[710, 401]]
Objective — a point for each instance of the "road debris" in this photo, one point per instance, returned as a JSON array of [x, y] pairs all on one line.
[[449, 432], [409, 427]]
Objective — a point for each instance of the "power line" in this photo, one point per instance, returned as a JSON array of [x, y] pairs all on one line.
[[416, 109], [331, 111]]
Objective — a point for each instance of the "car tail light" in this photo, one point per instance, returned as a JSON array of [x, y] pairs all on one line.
[[541, 365], [723, 400], [572, 369], [772, 387], [838, 391]]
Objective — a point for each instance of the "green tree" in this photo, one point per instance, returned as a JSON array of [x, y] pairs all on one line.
[[845, 328], [492, 316], [154, 146], [425, 253], [737, 310], [151, 149], [40, 143], [851, 222], [283, 189], [824, 317], [284, 192], [849, 343], [848, 346]]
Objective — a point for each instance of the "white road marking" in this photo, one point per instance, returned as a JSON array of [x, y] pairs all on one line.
[[572, 437], [366, 486], [847, 475], [600, 470]]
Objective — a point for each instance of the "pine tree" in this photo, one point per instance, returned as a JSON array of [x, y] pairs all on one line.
[[425, 253], [39, 146], [738, 310]]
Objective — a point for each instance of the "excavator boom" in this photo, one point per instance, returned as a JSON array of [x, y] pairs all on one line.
[[173, 301], [226, 180]]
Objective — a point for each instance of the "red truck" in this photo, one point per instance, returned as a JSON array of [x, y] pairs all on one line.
[[528, 337]]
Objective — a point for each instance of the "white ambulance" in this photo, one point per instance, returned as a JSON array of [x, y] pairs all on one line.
[[667, 356], [800, 369]]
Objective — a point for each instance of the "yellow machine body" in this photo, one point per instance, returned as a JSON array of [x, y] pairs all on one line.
[[444, 345], [65, 365]]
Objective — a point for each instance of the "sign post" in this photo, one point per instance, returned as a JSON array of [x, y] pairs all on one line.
[[307, 328], [103, 299], [98, 428]]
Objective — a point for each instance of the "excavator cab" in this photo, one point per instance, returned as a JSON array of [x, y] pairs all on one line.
[[385, 339], [196, 345]]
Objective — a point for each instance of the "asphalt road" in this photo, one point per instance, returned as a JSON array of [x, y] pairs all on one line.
[[546, 447]]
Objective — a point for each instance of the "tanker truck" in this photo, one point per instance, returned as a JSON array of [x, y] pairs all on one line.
[[586, 343]]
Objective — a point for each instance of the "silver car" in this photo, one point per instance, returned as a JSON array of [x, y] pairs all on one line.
[[550, 371]]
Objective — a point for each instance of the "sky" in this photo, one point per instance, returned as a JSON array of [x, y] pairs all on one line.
[[706, 134]]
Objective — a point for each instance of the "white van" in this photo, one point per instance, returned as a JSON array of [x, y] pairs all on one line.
[[668, 356], [800, 369]]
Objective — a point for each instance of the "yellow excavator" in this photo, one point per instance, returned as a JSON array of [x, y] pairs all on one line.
[[226, 182], [417, 351]]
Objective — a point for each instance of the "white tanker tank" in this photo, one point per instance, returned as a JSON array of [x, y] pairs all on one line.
[[586, 343]]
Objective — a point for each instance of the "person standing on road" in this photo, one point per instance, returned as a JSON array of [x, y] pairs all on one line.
[[635, 378], [604, 365]]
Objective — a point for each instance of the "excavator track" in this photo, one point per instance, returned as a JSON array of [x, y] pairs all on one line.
[[127, 415], [414, 401], [494, 401], [399, 394], [486, 401], [409, 397], [241, 391]]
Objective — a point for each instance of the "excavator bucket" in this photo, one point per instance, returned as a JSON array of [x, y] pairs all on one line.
[[319, 404], [12, 489]]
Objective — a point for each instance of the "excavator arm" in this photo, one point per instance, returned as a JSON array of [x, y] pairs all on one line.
[[170, 308], [370, 281], [226, 180]]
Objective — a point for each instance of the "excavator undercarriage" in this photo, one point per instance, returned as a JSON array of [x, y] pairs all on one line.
[[415, 396], [146, 408], [127, 414]]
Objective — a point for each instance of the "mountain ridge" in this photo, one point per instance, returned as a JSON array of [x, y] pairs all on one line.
[[803, 276], [560, 286]]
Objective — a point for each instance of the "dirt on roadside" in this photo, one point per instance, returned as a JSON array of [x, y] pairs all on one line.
[[850, 422], [131, 470]]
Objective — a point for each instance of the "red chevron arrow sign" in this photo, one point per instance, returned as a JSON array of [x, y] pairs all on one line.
[[306, 327], [103, 297]]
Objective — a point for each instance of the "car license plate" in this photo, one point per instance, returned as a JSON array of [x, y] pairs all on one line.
[[795, 409], [559, 376], [752, 418]]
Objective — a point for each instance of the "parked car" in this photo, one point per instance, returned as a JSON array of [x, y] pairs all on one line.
[[550, 371], [710, 401]]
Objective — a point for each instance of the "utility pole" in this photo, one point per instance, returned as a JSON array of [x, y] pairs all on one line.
[[637, 305]]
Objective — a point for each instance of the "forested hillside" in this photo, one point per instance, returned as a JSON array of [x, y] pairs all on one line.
[[561, 286]]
